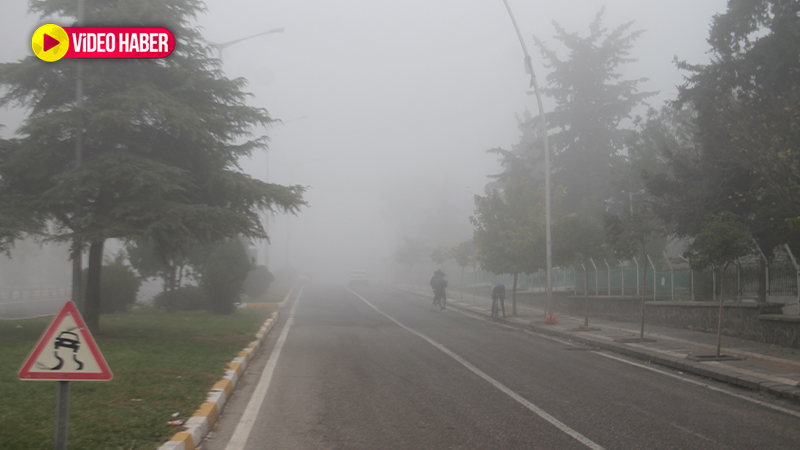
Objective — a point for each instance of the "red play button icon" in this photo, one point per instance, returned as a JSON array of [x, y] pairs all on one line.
[[49, 42]]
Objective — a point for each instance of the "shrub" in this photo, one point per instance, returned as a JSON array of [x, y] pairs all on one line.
[[223, 273], [119, 285], [257, 282], [186, 298]]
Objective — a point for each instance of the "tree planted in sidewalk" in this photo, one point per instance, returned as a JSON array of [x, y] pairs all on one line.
[[163, 139], [464, 255], [631, 232], [719, 244], [577, 238]]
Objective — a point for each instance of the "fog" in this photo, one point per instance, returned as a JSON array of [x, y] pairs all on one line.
[[388, 107]]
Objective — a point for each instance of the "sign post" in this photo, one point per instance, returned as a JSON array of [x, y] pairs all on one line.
[[66, 352]]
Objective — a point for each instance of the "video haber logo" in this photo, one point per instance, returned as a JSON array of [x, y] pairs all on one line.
[[52, 42]]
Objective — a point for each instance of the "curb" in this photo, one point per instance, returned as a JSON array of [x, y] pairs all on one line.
[[204, 419], [784, 391]]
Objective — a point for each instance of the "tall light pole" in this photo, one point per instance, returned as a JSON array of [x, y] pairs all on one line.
[[535, 85], [219, 48]]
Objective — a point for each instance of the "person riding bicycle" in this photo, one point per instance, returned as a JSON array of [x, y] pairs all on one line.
[[498, 299], [439, 285]]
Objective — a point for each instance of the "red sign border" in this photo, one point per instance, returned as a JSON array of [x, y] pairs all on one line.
[[68, 308]]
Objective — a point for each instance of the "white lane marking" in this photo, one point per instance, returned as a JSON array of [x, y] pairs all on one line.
[[541, 413], [242, 432], [701, 384], [688, 380]]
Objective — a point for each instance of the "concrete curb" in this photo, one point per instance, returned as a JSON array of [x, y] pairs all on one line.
[[785, 391], [204, 419]]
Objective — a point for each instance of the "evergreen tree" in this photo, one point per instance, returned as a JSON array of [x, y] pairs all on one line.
[[162, 140], [592, 103], [748, 126]]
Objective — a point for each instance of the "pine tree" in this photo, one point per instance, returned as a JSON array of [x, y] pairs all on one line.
[[592, 103]]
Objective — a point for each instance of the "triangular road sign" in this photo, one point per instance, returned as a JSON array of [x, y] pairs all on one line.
[[66, 352]]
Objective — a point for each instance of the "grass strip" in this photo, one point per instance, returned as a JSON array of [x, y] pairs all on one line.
[[163, 363]]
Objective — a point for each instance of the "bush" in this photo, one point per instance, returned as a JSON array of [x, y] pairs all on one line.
[[223, 273], [186, 298], [257, 282], [119, 285]]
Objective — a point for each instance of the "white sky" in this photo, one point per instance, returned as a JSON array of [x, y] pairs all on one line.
[[400, 96]]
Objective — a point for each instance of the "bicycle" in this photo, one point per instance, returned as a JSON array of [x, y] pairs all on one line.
[[440, 300], [498, 304]]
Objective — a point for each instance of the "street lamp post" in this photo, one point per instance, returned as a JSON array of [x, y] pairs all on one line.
[[535, 85], [225, 45], [219, 48]]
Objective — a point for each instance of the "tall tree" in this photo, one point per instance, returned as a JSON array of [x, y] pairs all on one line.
[[592, 104], [748, 125], [162, 142]]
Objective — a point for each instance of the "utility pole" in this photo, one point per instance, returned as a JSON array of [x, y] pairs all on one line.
[[77, 245], [535, 85]]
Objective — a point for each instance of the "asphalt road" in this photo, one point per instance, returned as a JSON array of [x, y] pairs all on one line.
[[376, 368]]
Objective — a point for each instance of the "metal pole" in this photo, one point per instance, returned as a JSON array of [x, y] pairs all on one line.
[[62, 415], [622, 276], [77, 250], [608, 277], [766, 267], [637, 275], [796, 268], [714, 282], [671, 277], [596, 292], [738, 280], [540, 104], [655, 285]]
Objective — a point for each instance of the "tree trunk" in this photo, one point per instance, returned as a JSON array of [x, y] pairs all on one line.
[[719, 320], [462, 283], [91, 312], [77, 275], [514, 297], [644, 293]]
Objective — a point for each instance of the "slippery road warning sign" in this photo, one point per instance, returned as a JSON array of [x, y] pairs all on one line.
[[66, 352]]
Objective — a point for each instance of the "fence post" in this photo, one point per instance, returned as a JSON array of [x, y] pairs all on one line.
[[714, 284], [797, 269], [608, 277], [766, 268], [738, 280], [637, 275], [671, 277], [655, 285], [622, 276], [595, 277]]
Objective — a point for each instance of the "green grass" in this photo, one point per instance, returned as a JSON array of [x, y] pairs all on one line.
[[162, 363]]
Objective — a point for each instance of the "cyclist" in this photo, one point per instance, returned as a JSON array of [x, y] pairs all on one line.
[[498, 300], [439, 285]]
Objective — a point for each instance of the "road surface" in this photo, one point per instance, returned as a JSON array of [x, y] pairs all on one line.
[[376, 368]]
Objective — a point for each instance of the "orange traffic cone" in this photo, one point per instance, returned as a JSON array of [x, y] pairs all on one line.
[[550, 319]]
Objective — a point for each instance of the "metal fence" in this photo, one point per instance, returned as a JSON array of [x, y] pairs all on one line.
[[675, 282]]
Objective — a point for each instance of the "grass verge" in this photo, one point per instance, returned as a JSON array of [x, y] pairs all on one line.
[[162, 363]]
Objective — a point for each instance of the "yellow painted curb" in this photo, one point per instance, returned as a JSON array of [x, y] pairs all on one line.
[[186, 438], [226, 385], [237, 366], [210, 411]]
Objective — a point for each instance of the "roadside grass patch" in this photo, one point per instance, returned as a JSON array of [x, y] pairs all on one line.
[[162, 363]]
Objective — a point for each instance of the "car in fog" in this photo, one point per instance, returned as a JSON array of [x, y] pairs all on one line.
[[358, 277]]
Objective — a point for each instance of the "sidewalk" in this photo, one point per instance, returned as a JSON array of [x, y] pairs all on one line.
[[761, 367]]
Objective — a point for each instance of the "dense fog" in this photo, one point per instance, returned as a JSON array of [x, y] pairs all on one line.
[[388, 108]]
